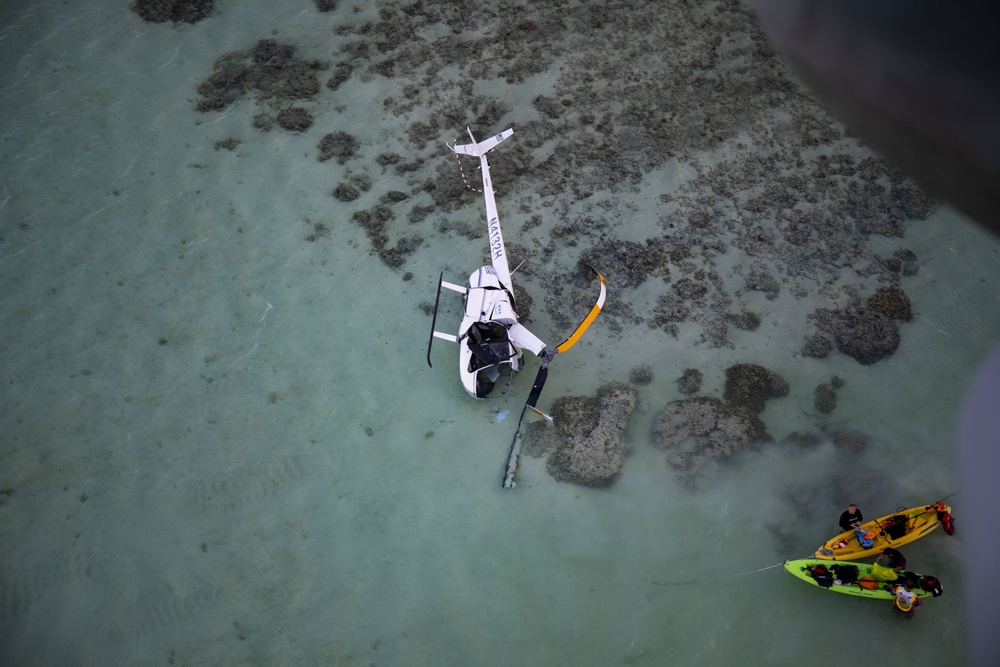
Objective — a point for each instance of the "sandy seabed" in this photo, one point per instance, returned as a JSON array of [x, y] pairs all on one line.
[[222, 444]]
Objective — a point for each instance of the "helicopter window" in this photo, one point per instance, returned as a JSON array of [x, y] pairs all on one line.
[[488, 332], [483, 355], [490, 345]]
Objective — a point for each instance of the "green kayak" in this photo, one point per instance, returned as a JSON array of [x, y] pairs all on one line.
[[855, 579]]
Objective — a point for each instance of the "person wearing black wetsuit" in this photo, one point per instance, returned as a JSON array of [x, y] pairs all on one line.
[[851, 518]]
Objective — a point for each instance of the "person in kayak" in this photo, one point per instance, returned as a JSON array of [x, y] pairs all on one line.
[[851, 518], [892, 559], [888, 565]]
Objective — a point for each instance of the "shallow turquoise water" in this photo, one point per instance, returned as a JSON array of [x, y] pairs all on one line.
[[222, 444]]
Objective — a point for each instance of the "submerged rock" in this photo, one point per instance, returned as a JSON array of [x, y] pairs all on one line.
[[690, 382], [705, 427], [891, 302], [540, 439], [297, 119], [339, 144], [825, 398], [850, 440], [746, 320], [817, 346], [641, 375], [867, 335], [176, 11], [748, 386], [910, 266], [269, 72], [592, 433]]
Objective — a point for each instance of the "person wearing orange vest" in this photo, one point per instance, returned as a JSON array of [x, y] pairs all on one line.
[[906, 601]]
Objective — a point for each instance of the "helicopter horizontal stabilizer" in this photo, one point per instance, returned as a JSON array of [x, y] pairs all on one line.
[[484, 146]]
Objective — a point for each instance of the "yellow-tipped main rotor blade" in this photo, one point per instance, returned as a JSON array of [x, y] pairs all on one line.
[[591, 316]]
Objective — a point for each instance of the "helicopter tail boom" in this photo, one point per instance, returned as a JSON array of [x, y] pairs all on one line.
[[498, 253]]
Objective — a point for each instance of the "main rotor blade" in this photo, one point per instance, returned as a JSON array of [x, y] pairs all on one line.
[[513, 458], [536, 388], [591, 316]]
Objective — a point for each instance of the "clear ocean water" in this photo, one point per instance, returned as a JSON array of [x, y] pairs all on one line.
[[220, 442]]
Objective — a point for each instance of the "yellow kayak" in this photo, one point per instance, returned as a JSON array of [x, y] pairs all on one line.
[[892, 530]]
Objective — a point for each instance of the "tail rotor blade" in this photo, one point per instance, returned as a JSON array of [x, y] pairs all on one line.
[[540, 413]]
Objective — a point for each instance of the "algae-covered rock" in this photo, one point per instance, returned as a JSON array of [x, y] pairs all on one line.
[[690, 382], [867, 335], [850, 440], [825, 398], [748, 386], [540, 439], [705, 427], [817, 346], [592, 433], [641, 375], [891, 302], [269, 72], [746, 320], [176, 11]]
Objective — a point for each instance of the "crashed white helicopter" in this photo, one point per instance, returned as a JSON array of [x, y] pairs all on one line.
[[490, 336]]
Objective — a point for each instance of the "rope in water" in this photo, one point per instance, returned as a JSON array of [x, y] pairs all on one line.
[[703, 581]]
